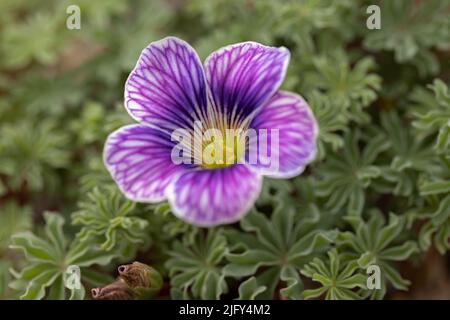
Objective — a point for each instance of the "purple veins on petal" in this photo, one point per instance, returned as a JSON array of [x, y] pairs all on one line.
[[213, 197], [139, 159], [244, 75], [297, 133], [167, 88]]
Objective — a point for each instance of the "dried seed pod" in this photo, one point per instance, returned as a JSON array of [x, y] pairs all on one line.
[[117, 290], [135, 274], [141, 278]]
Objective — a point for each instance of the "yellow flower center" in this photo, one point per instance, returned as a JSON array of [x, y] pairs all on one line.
[[222, 149]]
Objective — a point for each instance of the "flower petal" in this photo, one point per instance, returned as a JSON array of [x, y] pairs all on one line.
[[297, 132], [212, 197], [167, 88], [139, 160], [243, 76]]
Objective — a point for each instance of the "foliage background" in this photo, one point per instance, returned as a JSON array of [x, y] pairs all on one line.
[[378, 192]]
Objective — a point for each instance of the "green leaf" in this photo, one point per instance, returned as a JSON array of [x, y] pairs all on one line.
[[32, 152], [435, 187], [380, 243], [280, 245], [249, 289], [48, 258], [435, 119], [336, 279], [409, 29], [198, 267], [344, 177], [109, 220]]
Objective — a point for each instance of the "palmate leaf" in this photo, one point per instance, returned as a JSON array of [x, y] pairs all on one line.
[[110, 220], [274, 250], [437, 120], [338, 278], [143, 31], [431, 114], [31, 151], [47, 259], [196, 269], [95, 122], [435, 181], [436, 228], [88, 126], [345, 175], [436, 190], [163, 229], [272, 190], [269, 20], [307, 200], [380, 243], [100, 15], [161, 218], [44, 95], [410, 155], [331, 120], [94, 174], [36, 39], [353, 88], [410, 28]]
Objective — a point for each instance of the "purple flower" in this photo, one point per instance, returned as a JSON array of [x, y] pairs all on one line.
[[237, 87]]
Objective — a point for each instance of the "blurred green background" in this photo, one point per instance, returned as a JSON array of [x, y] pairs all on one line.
[[382, 102]]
